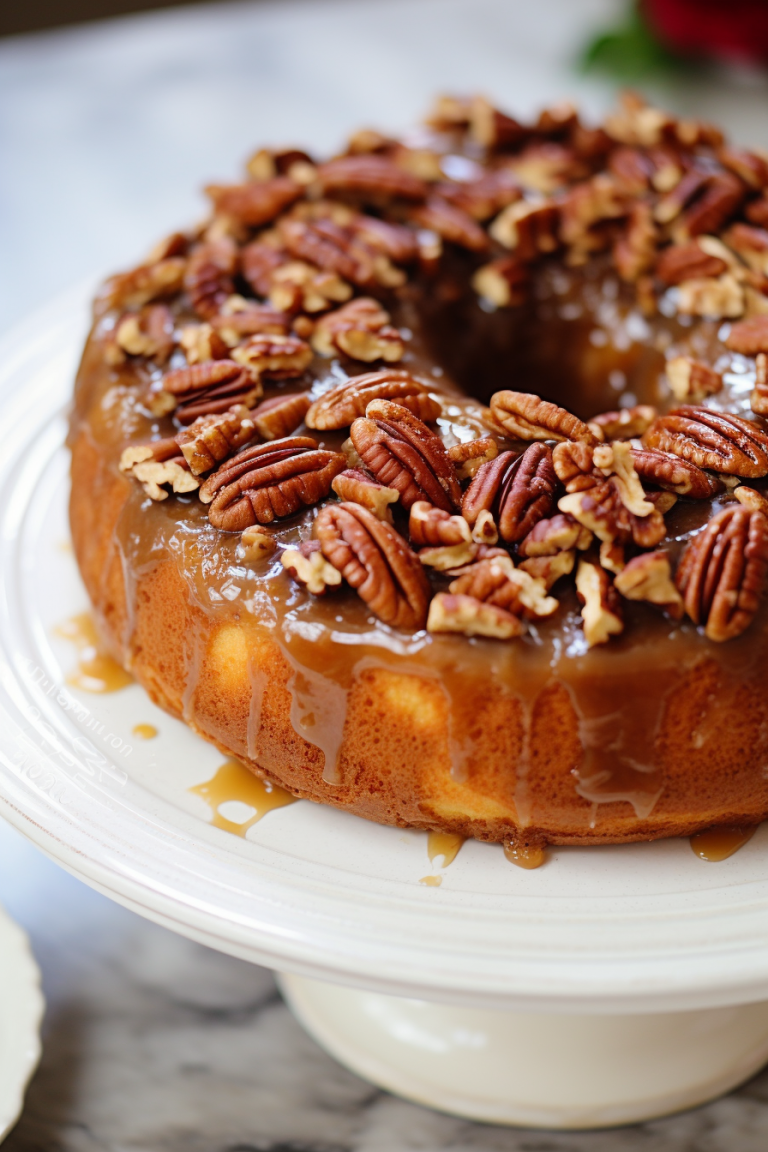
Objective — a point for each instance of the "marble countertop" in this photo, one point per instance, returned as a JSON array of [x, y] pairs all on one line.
[[152, 1043]]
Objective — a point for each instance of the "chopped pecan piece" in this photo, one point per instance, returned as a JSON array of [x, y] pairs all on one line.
[[757, 212], [278, 357], [602, 510], [348, 400], [497, 581], [550, 569], [256, 544], [636, 123], [483, 196], [616, 460], [147, 333], [240, 318], [209, 276], [471, 455], [635, 250], [471, 617], [280, 416], [156, 465], [751, 244], [211, 439], [527, 417], [375, 560], [201, 342], [750, 166], [451, 222], [337, 248], [723, 571], [749, 336], [718, 201], [357, 487], [612, 557], [519, 490], [691, 380], [528, 229], [143, 284], [751, 498], [759, 398], [484, 530], [718, 299], [574, 465], [675, 474], [447, 557], [268, 481], [716, 440], [403, 453], [649, 577], [430, 526], [372, 177], [623, 424], [206, 389], [601, 607], [361, 330], [493, 129], [257, 202], [503, 283], [269, 162], [688, 262], [557, 533], [308, 565]]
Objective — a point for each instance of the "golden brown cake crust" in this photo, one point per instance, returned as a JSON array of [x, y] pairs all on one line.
[[661, 732]]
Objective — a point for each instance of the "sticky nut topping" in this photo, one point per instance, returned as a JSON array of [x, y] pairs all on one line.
[[517, 490], [601, 608], [451, 612]]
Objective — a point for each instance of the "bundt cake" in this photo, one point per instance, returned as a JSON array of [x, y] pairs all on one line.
[[430, 480]]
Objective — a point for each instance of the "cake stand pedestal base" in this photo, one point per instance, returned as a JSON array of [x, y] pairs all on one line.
[[534, 1069]]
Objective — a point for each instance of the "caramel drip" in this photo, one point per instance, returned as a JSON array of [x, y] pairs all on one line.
[[525, 855], [233, 781], [96, 671], [431, 881], [445, 844], [144, 731], [718, 844]]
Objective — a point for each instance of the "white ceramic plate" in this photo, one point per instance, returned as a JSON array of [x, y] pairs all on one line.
[[312, 890], [21, 1010]]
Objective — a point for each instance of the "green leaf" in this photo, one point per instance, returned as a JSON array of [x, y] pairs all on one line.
[[630, 51]]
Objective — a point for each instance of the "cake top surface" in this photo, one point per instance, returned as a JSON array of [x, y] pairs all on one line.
[[389, 372]]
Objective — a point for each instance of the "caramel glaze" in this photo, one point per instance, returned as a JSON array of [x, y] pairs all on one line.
[[659, 733]]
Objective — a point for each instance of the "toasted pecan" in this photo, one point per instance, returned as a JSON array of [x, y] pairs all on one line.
[[341, 405], [528, 417], [518, 490], [377, 562], [716, 440]]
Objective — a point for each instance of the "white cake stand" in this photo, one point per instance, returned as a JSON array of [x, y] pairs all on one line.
[[611, 985]]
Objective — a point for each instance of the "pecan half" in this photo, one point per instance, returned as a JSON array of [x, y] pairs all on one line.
[[375, 560], [337, 247], [143, 284], [601, 608], [623, 424], [403, 453], [528, 417], [278, 357], [361, 330], [470, 617], [372, 177], [281, 415], [759, 397], [519, 490], [471, 455], [452, 223], [691, 380], [723, 571], [716, 440], [749, 336], [675, 474], [211, 439], [357, 487], [209, 276], [257, 202], [497, 581], [308, 565], [240, 318], [430, 526], [268, 481], [483, 196], [206, 389], [348, 400]]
